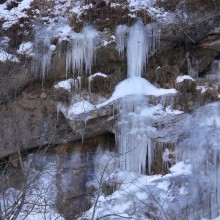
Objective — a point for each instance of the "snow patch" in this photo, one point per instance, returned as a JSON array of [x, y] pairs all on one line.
[[135, 192], [202, 89], [4, 56], [180, 79], [181, 168], [79, 108], [97, 74], [134, 86], [26, 48], [12, 16], [65, 84]]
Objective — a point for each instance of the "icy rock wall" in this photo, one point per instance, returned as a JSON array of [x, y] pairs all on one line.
[[202, 150], [141, 41]]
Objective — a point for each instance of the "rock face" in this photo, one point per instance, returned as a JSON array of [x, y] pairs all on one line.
[[189, 44], [72, 170]]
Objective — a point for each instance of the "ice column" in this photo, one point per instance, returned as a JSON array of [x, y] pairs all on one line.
[[137, 49]]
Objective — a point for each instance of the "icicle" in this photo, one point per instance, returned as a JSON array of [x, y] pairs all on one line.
[[42, 60], [91, 35], [68, 61], [153, 33], [43, 51], [121, 38], [79, 78], [80, 53]]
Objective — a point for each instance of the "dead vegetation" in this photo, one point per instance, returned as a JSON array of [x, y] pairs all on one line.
[[105, 16]]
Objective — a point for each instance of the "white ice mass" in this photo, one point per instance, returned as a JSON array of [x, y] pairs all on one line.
[[80, 53], [141, 41]]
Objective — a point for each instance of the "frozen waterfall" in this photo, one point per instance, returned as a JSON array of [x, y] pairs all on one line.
[[135, 148]]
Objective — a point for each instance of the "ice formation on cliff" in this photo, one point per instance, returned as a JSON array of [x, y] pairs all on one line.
[[141, 42]]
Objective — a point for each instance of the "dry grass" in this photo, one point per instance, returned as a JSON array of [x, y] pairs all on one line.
[[104, 16]]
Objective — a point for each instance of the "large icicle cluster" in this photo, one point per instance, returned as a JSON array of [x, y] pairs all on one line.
[[81, 50], [135, 146], [43, 51], [141, 42]]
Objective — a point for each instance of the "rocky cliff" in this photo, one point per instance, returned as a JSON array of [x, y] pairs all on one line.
[[35, 42]]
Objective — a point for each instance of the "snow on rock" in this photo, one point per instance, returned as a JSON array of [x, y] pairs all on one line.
[[155, 12], [97, 74], [26, 48], [180, 79], [12, 16], [137, 86], [158, 110], [130, 86], [202, 89], [79, 108], [4, 56], [65, 84], [181, 168]]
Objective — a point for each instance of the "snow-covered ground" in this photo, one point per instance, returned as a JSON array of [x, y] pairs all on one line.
[[137, 196]]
